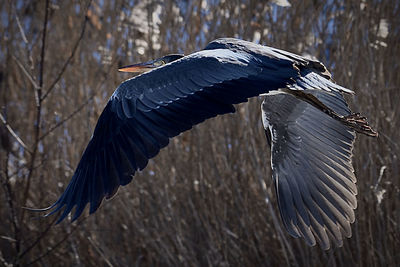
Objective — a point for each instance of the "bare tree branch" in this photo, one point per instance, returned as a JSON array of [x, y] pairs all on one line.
[[12, 132], [13, 215], [40, 237], [24, 166], [81, 106], [60, 123], [58, 243], [101, 253], [30, 78], [21, 30], [3, 261], [37, 123], [67, 62]]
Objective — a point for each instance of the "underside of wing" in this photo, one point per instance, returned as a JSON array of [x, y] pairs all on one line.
[[312, 167]]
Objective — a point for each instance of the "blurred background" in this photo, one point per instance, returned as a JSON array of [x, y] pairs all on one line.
[[199, 202]]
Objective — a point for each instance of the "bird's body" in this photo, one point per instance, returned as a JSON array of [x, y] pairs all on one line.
[[311, 126]]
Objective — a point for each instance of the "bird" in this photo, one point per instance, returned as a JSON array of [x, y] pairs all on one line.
[[309, 128]]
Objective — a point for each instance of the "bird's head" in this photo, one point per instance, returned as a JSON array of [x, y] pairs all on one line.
[[146, 66]]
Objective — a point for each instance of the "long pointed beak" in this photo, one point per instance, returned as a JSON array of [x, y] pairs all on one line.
[[140, 67]]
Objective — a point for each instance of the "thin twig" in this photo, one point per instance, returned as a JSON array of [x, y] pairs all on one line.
[[21, 30], [30, 78], [67, 62], [24, 166], [99, 250], [41, 235], [3, 261], [52, 128], [57, 244], [12, 132], [68, 117], [10, 202], [38, 96], [9, 239]]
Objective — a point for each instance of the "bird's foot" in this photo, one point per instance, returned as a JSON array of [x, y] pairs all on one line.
[[359, 123]]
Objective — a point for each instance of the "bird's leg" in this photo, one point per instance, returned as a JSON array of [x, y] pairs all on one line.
[[353, 120]]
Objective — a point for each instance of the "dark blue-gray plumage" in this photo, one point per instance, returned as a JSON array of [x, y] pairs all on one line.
[[312, 130]]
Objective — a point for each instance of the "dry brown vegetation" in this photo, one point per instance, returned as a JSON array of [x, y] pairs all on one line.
[[199, 202]]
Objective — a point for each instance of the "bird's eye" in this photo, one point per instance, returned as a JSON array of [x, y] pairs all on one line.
[[159, 63]]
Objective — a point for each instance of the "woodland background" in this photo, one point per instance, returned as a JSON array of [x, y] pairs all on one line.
[[199, 202]]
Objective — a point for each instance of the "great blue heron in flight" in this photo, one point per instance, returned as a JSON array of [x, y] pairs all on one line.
[[312, 130]]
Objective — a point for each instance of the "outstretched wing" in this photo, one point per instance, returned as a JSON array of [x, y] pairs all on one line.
[[145, 111], [311, 166]]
